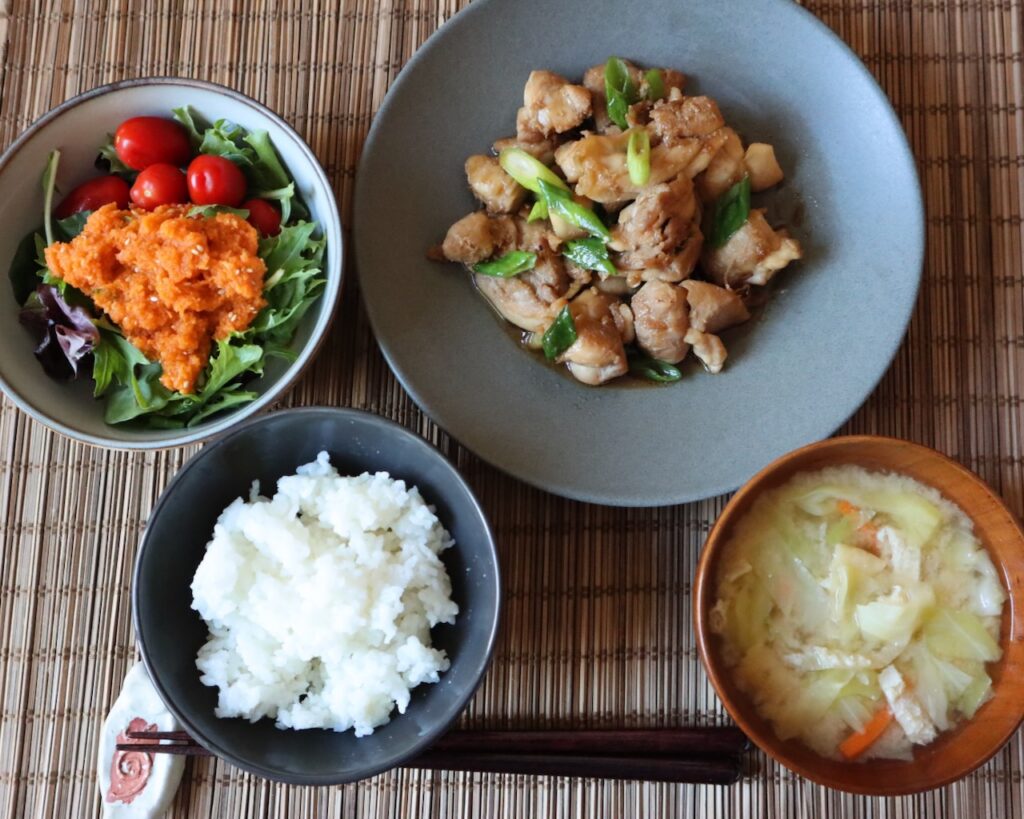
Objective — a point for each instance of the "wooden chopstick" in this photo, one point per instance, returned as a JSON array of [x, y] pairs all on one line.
[[705, 741], [710, 770], [684, 755]]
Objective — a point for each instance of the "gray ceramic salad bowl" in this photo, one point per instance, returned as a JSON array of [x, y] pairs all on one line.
[[796, 372], [170, 632], [78, 128]]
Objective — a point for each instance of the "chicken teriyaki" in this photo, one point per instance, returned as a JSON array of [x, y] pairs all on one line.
[[616, 228]]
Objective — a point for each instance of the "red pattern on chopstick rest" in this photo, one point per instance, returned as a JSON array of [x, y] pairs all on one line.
[[129, 770]]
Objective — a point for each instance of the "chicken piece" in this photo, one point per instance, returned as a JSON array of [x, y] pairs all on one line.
[[532, 299], [762, 166], [725, 168], [551, 105], [598, 354], [659, 234], [596, 164], [713, 308], [708, 348], [537, 146], [709, 146], [672, 80], [476, 237], [753, 254], [498, 191], [660, 320], [613, 285], [905, 707], [676, 121]]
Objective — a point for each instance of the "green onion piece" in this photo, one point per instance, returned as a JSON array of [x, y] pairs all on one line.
[[638, 157], [527, 170], [590, 254], [655, 84], [511, 264], [618, 90], [730, 212], [538, 211], [653, 369], [49, 184], [560, 203], [560, 336]]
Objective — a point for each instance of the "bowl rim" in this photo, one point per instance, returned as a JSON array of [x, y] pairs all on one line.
[[334, 271], [483, 662], [422, 392], [715, 669]]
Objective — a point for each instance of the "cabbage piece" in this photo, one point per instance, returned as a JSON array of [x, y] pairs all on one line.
[[799, 596], [960, 635], [821, 500], [793, 701], [854, 711], [851, 573], [895, 618], [801, 540], [975, 695], [957, 679], [987, 595], [929, 684], [839, 531], [747, 614]]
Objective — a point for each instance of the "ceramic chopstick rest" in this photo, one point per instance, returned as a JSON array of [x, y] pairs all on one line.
[[137, 785]]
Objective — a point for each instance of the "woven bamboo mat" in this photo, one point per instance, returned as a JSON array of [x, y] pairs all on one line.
[[597, 628]]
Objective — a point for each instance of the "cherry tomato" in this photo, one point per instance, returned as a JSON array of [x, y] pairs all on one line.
[[263, 216], [144, 141], [160, 184], [214, 180], [94, 194]]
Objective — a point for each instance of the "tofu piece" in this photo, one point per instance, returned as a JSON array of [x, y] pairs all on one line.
[[905, 708]]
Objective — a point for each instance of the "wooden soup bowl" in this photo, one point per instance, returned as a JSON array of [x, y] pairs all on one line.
[[954, 753]]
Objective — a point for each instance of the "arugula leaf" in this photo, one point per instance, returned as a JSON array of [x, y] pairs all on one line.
[[231, 396], [70, 226], [192, 123], [730, 212], [254, 154], [294, 265], [268, 172], [109, 161], [49, 186], [210, 210], [24, 270], [141, 395], [229, 363]]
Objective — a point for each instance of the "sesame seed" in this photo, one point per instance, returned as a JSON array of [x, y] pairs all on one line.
[[153, 298]]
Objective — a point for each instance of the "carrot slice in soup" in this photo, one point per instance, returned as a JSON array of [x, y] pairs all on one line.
[[856, 744]]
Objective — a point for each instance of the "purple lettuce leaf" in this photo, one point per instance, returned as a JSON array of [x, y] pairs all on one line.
[[65, 334]]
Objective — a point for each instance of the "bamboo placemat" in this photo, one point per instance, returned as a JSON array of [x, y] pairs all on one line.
[[597, 627]]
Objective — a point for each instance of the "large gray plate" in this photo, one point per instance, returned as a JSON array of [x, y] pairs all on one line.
[[795, 374]]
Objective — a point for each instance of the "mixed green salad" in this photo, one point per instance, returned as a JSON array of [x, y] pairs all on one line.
[[186, 161]]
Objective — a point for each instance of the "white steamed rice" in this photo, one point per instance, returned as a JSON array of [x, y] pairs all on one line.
[[320, 601]]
